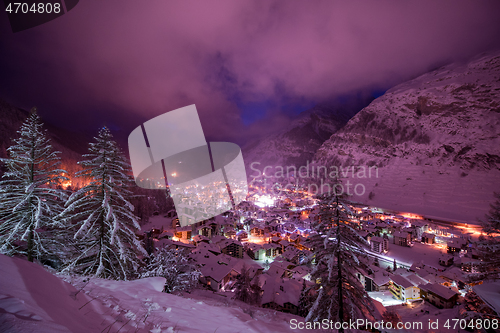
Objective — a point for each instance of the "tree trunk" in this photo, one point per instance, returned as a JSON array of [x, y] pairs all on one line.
[[31, 226], [30, 243], [339, 267]]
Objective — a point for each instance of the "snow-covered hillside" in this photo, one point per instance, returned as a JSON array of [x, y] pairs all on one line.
[[34, 300], [435, 140], [298, 142]]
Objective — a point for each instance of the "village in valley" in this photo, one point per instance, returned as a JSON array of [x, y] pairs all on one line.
[[410, 260]]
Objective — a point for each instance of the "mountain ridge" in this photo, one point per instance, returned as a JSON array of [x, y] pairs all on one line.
[[435, 140]]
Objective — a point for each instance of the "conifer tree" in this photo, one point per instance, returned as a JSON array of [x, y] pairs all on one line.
[[104, 224], [492, 222], [179, 272], [29, 197], [336, 248], [245, 290], [306, 300], [489, 247]]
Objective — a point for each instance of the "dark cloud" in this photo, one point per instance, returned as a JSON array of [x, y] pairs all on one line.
[[123, 62]]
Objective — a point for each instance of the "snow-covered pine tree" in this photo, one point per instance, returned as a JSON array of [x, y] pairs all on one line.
[[336, 248], [242, 286], [492, 222], [29, 197], [180, 273], [306, 299], [489, 247], [103, 221], [244, 289]]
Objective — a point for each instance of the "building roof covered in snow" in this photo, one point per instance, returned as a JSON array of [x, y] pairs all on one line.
[[439, 290], [281, 291], [490, 294], [401, 281]]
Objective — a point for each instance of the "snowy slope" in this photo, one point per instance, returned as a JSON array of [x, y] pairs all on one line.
[[435, 140], [34, 300]]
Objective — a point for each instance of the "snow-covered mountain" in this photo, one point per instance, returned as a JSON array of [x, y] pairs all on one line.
[[298, 142], [434, 139]]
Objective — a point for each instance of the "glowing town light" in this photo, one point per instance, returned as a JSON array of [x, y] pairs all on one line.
[[65, 185], [264, 201], [174, 174]]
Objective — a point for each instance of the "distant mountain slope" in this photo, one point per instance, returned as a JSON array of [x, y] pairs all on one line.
[[298, 143], [435, 140]]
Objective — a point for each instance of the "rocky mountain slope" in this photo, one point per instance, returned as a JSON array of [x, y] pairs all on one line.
[[435, 141], [298, 143]]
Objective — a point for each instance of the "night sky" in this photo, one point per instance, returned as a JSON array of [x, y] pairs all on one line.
[[249, 66]]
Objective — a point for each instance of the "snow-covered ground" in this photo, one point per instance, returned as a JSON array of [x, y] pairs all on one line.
[[34, 300], [385, 297], [428, 254], [427, 314], [158, 222]]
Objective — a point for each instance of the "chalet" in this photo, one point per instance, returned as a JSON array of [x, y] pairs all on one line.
[[456, 245], [446, 260], [379, 244], [377, 280], [217, 274], [257, 231], [272, 250], [232, 248], [217, 239], [415, 232], [206, 230], [209, 247], [229, 232], [295, 238], [166, 235], [403, 289], [249, 222], [439, 295], [183, 232], [428, 238], [281, 268], [424, 225], [301, 272], [382, 227], [281, 294], [284, 244], [415, 279], [197, 239], [171, 213], [255, 251], [365, 216], [220, 272], [454, 276], [242, 235], [402, 238], [174, 245], [275, 239], [293, 255]]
